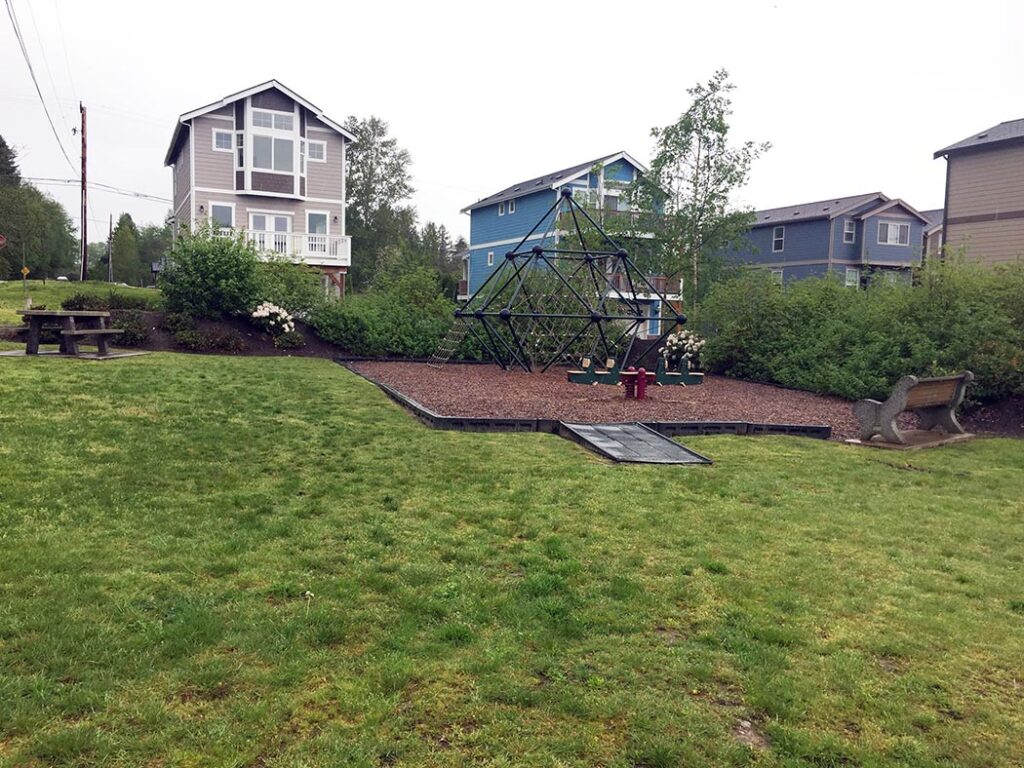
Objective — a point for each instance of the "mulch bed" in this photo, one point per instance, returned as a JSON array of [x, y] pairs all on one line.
[[488, 391]]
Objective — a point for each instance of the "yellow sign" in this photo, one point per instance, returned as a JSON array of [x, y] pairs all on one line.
[[24, 271]]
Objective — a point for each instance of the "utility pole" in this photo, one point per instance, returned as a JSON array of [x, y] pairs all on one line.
[[85, 230], [110, 250]]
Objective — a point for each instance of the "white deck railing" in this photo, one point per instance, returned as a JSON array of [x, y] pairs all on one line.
[[321, 250]]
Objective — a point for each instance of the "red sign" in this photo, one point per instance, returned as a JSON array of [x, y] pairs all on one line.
[[3, 242]]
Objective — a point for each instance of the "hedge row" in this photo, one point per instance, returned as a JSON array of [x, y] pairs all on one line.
[[820, 336]]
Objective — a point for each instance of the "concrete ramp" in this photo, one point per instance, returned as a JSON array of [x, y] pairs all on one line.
[[632, 442]]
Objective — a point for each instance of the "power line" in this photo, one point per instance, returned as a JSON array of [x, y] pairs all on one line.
[[46, 66], [24, 52], [64, 45], [45, 181]]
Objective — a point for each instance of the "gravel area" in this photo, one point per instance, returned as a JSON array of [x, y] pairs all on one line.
[[486, 390]]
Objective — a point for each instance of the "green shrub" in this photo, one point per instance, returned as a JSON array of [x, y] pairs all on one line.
[[216, 340], [112, 300], [85, 302], [820, 336], [296, 287], [290, 340], [173, 322], [210, 275], [407, 317], [134, 325]]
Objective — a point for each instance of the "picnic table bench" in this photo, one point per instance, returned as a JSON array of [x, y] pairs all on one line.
[[66, 321], [934, 401]]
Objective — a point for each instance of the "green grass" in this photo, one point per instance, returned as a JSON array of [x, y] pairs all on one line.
[[12, 294], [263, 562]]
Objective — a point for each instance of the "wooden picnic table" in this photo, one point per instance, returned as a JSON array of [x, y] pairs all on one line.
[[66, 321]]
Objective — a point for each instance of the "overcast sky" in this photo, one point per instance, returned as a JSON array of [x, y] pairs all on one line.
[[854, 97]]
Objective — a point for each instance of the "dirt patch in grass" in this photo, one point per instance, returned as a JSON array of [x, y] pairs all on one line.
[[747, 733]]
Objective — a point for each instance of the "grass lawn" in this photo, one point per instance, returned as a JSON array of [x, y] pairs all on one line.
[[12, 294], [263, 562]]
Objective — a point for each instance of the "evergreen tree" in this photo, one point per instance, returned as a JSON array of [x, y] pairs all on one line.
[[124, 251], [9, 174]]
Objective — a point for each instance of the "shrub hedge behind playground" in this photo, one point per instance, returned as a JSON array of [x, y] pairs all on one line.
[[820, 336]]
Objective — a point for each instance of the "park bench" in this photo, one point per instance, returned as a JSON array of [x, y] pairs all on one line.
[[934, 401], [98, 335]]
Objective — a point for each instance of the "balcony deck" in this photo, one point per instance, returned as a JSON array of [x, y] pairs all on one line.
[[315, 250]]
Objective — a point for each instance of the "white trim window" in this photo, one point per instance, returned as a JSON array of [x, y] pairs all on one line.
[[777, 276], [222, 141], [893, 233], [222, 215], [240, 150], [490, 258], [270, 231], [778, 239], [849, 231], [276, 121], [501, 209], [316, 151], [512, 206], [270, 153], [318, 230], [852, 278]]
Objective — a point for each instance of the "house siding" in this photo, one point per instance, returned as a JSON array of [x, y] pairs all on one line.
[[985, 184], [326, 180], [872, 252], [478, 269], [182, 176], [213, 169], [246, 204], [487, 226], [804, 241]]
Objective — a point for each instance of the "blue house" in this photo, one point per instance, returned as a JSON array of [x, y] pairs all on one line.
[[853, 237], [499, 222]]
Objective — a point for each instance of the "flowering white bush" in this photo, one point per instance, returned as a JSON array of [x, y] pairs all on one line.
[[682, 344], [273, 319]]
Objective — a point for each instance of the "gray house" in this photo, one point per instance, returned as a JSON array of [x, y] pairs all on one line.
[[269, 163]]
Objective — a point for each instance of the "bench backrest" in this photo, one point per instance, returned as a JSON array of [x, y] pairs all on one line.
[[929, 392]]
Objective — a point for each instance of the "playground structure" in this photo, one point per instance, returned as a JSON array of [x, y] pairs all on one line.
[[564, 300]]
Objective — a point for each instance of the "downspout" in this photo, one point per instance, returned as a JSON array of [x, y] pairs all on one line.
[[831, 241]]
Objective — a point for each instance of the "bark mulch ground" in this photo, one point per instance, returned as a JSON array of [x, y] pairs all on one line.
[[488, 391]]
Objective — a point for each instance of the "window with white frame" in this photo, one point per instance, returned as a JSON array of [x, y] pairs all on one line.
[[222, 215], [778, 240], [512, 206], [490, 258], [849, 231], [278, 121], [501, 209], [222, 141], [777, 276], [893, 233], [270, 153], [852, 277], [239, 151], [317, 151]]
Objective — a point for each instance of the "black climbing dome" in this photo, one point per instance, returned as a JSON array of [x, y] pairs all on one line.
[[546, 305]]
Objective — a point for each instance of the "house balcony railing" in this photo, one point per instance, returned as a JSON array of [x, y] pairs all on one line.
[[317, 250], [664, 285]]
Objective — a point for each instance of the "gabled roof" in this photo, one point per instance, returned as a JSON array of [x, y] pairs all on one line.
[[889, 205], [820, 209], [231, 99], [552, 180], [934, 216], [1009, 132]]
